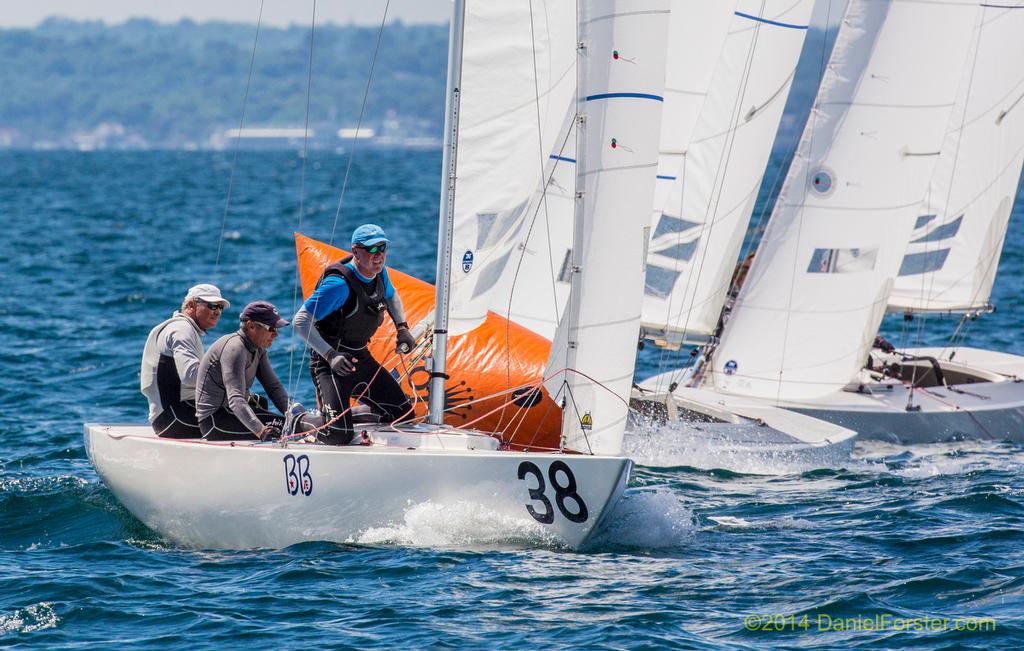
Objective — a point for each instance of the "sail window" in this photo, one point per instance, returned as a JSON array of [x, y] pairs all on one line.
[[491, 226], [922, 263], [842, 261], [668, 224], [490, 275], [564, 274], [943, 232], [922, 220], [659, 281], [822, 182], [682, 251]]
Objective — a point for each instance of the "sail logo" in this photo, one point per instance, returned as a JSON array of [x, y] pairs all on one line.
[[467, 261], [587, 422], [730, 367]]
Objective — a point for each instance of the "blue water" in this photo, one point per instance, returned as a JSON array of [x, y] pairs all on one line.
[[99, 247]]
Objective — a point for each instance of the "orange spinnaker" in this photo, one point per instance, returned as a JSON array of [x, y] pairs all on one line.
[[494, 369]]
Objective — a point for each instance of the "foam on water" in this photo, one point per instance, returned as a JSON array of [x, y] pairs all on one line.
[[459, 524], [646, 519], [730, 523], [36, 617], [678, 444]]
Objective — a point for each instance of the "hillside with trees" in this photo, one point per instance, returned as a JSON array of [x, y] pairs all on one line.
[[143, 84], [177, 85]]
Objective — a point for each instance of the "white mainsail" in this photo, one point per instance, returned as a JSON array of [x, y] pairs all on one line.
[[519, 80], [622, 80], [817, 290], [700, 221], [534, 285], [951, 260]]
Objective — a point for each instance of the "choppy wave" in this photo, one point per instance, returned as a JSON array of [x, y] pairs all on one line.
[[102, 246]]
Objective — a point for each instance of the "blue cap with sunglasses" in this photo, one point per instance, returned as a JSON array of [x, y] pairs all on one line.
[[369, 235]]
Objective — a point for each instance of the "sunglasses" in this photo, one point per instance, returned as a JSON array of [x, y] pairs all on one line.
[[376, 248], [216, 307], [269, 329]]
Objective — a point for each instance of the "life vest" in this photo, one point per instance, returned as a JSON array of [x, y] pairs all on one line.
[[353, 324]]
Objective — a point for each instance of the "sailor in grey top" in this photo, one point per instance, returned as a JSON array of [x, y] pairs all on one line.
[[223, 405], [170, 362]]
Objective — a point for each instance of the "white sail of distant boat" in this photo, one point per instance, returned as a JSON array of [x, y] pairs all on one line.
[[697, 31], [708, 195], [951, 259], [816, 293], [594, 350]]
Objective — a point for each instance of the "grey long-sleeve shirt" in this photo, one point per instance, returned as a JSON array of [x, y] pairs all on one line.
[[179, 337], [226, 374]]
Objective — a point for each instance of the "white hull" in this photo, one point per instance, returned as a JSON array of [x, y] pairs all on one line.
[[990, 408], [239, 496], [738, 428]]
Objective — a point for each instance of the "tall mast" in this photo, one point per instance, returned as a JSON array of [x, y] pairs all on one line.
[[572, 309], [446, 217]]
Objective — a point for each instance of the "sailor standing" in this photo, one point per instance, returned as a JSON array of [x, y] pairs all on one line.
[[338, 320]]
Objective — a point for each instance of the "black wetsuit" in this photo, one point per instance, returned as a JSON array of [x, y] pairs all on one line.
[[348, 330]]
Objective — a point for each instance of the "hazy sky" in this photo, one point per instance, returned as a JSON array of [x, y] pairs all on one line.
[[20, 13]]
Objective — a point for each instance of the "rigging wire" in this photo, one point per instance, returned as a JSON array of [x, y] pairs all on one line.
[[723, 163], [359, 121], [351, 156], [930, 281], [302, 197], [238, 138], [809, 132], [543, 203]]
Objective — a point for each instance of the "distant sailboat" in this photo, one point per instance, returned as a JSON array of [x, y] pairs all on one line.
[[240, 495], [716, 137], [890, 128]]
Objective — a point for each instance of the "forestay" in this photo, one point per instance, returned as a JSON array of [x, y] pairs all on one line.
[[817, 290], [700, 221], [518, 85], [622, 81], [951, 260]]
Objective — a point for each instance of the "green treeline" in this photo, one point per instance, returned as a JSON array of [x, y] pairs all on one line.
[[175, 85], [147, 84]]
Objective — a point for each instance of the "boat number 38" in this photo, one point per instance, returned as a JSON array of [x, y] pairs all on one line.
[[296, 475], [564, 483]]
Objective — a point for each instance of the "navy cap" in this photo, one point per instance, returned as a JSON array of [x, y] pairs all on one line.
[[368, 235], [262, 312]]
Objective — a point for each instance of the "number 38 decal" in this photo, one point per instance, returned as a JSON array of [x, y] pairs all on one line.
[[564, 482]]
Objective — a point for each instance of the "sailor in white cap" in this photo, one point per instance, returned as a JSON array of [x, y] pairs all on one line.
[[170, 362]]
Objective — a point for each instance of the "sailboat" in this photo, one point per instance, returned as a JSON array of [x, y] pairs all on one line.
[[241, 495], [897, 157], [716, 138]]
